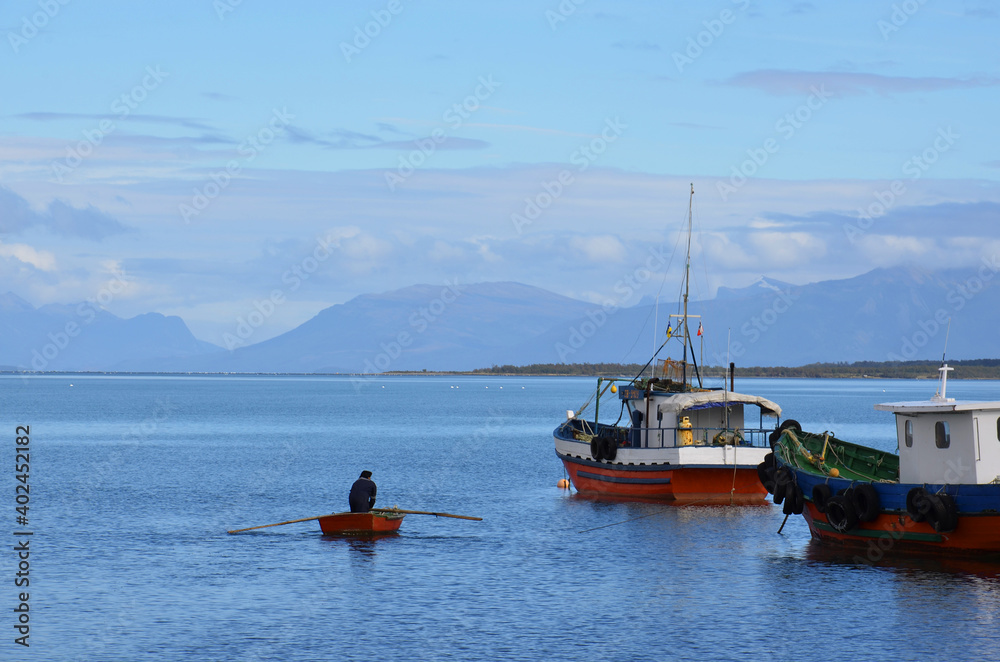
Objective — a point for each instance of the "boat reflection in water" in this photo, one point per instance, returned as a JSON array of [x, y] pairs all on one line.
[[819, 553]]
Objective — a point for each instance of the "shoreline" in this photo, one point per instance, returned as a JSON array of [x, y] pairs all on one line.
[[967, 372]]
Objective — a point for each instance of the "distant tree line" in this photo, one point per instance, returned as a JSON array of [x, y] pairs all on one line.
[[971, 369], [568, 369]]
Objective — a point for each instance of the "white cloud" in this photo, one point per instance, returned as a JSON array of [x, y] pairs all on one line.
[[41, 260], [602, 248], [797, 248], [443, 252], [891, 250]]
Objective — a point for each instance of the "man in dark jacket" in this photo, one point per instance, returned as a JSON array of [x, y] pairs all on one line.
[[362, 498]]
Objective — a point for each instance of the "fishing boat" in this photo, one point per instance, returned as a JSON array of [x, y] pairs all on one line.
[[941, 492], [373, 521], [682, 442]]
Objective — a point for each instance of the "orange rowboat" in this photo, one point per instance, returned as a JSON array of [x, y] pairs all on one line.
[[361, 523], [374, 521]]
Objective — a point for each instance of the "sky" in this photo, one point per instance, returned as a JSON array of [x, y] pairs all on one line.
[[209, 159]]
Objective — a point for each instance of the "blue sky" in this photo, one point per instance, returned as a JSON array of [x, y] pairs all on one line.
[[213, 155]]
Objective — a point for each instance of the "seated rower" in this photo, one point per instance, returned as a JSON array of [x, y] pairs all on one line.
[[362, 497]]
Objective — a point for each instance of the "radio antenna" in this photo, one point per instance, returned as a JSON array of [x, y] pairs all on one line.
[[946, 334]]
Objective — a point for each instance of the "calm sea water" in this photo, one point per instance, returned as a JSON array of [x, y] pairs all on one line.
[[135, 481]]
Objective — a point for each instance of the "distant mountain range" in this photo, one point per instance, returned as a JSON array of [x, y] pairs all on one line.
[[87, 338], [886, 314]]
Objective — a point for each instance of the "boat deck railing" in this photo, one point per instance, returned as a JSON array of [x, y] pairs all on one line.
[[669, 437]]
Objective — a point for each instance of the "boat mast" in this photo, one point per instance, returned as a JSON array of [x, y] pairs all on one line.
[[687, 286], [686, 337]]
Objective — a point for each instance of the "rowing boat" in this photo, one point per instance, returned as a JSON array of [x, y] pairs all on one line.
[[374, 521]]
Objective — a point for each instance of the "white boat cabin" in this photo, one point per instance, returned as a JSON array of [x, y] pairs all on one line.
[[694, 418], [944, 442]]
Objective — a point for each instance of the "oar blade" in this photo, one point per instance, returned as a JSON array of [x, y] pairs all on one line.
[[428, 512], [264, 526]]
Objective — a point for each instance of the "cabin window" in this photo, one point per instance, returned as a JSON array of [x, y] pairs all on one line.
[[998, 429], [942, 434], [908, 433]]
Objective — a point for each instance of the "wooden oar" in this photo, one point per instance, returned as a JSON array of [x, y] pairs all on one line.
[[264, 526], [425, 512]]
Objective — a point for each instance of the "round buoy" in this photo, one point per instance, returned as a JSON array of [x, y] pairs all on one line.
[[563, 483], [834, 472]]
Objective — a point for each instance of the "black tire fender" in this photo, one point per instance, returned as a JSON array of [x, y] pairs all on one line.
[[800, 501], [609, 449], [790, 423], [866, 502], [917, 504], [783, 477], [821, 496], [596, 449], [779, 494], [765, 475], [943, 514], [794, 501], [840, 513], [776, 435]]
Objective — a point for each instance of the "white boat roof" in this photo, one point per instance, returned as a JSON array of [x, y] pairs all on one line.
[[940, 403], [936, 406], [674, 403]]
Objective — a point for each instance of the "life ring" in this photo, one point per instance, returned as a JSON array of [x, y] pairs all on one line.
[[943, 514], [596, 448], [821, 496], [917, 504], [840, 513], [866, 503], [609, 449]]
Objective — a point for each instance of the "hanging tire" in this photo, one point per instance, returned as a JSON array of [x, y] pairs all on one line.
[[917, 504], [866, 502], [943, 514], [821, 496], [783, 477], [800, 501], [790, 423], [794, 501], [765, 475], [779, 494], [788, 507], [776, 435], [595, 448], [610, 449], [840, 514]]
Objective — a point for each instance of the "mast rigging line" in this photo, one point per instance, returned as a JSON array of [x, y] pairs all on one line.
[[663, 282]]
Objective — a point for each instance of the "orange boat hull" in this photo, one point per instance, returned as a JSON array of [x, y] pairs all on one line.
[[891, 532], [360, 523], [720, 485]]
